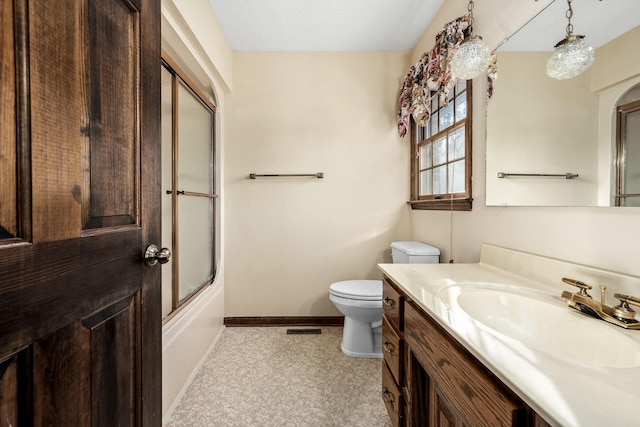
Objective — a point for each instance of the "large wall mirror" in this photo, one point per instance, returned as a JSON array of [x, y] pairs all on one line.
[[542, 131]]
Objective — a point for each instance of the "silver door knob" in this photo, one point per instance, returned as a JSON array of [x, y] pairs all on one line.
[[153, 255]]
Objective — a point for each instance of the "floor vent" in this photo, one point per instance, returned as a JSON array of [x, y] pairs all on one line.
[[303, 331]]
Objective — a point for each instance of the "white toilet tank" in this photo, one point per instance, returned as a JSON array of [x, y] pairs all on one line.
[[414, 253]]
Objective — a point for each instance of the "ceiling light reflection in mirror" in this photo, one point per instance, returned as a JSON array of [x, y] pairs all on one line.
[[538, 125]]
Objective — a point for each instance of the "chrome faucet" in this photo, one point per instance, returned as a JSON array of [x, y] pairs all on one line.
[[621, 315]]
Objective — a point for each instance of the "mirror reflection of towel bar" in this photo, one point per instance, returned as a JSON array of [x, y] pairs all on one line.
[[286, 175], [559, 175]]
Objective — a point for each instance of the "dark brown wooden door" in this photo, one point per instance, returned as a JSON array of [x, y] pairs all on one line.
[[79, 202]]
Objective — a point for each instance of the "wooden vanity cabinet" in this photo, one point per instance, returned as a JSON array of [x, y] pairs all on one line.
[[393, 351], [459, 390], [438, 382]]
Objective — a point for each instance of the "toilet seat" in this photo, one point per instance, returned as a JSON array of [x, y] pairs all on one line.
[[362, 290]]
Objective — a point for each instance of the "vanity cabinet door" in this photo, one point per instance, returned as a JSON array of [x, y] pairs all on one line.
[[442, 413], [461, 391]]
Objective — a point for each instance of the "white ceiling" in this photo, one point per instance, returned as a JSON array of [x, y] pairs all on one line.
[[391, 25], [599, 21], [324, 25]]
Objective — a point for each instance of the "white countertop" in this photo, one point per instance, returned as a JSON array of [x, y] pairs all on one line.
[[563, 392]]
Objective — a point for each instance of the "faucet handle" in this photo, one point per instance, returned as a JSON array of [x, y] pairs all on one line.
[[623, 311], [580, 285]]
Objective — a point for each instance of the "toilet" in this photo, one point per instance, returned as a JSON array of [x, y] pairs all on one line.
[[361, 301]]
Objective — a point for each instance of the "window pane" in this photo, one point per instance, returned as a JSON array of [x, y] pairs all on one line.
[[456, 176], [461, 85], [434, 104], [195, 243], [456, 144], [426, 183], [433, 123], [425, 156], [461, 107], [440, 151], [446, 116], [195, 143], [440, 180]]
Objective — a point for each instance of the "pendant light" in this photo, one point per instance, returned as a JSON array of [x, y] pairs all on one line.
[[571, 56], [472, 56]]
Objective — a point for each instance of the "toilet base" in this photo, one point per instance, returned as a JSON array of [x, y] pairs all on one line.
[[377, 355], [360, 339]]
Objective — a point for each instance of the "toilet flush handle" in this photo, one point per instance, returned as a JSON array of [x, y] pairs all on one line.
[[388, 301]]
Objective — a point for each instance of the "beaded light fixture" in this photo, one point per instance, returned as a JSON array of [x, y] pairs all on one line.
[[571, 56], [473, 56]]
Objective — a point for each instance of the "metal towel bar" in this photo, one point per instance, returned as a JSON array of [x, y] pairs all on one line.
[[563, 175], [286, 175]]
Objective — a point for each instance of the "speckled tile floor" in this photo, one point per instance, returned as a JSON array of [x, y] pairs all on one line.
[[261, 377]]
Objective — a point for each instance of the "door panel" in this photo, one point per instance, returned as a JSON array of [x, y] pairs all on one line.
[[113, 75], [80, 320], [61, 382], [9, 391], [8, 136], [58, 106], [112, 335]]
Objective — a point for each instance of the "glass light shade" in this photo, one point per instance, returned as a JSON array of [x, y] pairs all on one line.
[[471, 59], [572, 56]]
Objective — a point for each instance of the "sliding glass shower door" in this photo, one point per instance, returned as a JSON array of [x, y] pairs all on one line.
[[189, 200]]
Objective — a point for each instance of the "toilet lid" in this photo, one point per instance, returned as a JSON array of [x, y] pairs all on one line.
[[358, 289]]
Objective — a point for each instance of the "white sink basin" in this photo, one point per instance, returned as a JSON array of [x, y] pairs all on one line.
[[544, 324]]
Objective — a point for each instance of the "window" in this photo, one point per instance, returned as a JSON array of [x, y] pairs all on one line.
[[188, 184], [441, 154]]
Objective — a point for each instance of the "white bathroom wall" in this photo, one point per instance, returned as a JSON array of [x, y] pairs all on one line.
[[191, 29], [602, 237], [614, 63], [288, 239], [554, 130], [201, 50]]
